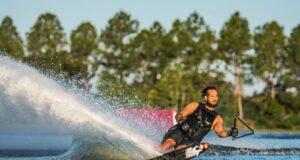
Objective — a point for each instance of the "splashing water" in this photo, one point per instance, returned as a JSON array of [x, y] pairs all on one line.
[[29, 98]]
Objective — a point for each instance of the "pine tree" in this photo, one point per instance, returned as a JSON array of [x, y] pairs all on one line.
[[270, 54], [148, 56], [113, 42], [46, 43], [83, 53], [234, 41], [10, 41], [292, 77]]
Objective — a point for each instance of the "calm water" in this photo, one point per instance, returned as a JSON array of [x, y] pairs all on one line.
[[243, 157], [260, 146]]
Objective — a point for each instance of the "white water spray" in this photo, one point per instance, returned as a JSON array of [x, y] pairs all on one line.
[[24, 88]]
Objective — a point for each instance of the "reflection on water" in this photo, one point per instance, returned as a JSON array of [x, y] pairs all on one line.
[[261, 146], [279, 136], [246, 157], [269, 146], [258, 141]]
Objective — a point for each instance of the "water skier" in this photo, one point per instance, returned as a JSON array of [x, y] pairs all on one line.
[[194, 121]]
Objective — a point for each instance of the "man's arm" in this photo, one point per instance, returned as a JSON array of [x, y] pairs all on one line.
[[218, 127], [187, 110]]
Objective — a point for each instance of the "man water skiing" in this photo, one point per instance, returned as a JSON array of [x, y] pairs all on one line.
[[194, 121]]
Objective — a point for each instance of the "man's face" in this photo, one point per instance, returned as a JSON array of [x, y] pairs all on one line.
[[211, 99]]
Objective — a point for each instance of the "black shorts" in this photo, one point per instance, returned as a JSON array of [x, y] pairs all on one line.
[[177, 134]]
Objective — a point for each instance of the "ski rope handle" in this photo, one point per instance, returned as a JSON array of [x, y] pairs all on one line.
[[234, 125]]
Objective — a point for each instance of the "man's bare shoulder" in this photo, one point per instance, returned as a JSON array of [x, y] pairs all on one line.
[[196, 104], [192, 106], [187, 110], [218, 119]]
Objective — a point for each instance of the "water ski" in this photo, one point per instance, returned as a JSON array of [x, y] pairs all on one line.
[[183, 154]]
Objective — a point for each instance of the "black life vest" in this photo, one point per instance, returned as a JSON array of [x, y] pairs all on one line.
[[199, 123]]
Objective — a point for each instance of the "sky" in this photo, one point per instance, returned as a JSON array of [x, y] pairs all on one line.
[[72, 13]]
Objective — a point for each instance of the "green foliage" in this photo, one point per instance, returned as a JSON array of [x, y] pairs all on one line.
[[235, 36], [149, 58], [10, 41], [173, 88], [291, 79], [83, 53], [291, 101], [234, 41], [267, 113], [114, 41], [184, 37], [292, 122], [270, 53], [46, 43], [200, 47]]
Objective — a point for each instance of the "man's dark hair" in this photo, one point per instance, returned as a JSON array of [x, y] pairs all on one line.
[[204, 92]]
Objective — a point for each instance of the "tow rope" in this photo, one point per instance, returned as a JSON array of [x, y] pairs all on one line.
[[235, 119]]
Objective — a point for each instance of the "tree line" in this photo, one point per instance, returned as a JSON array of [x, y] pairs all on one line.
[[168, 68]]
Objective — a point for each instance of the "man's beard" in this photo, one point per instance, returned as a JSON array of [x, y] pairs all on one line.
[[210, 104]]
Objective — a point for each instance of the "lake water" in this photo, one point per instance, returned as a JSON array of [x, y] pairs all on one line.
[[260, 146]]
